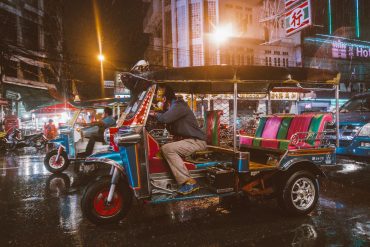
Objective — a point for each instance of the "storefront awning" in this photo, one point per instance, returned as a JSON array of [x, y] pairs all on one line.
[[57, 108], [32, 97]]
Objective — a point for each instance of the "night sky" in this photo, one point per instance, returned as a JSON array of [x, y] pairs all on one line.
[[123, 39]]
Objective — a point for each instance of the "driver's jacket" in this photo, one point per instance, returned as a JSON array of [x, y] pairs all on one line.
[[181, 121]]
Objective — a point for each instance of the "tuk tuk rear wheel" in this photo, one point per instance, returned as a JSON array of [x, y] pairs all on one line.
[[56, 166], [94, 202], [299, 193]]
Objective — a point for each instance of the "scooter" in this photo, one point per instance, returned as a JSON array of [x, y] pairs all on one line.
[[14, 140]]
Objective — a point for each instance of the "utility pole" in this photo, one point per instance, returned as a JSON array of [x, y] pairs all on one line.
[[1, 84]]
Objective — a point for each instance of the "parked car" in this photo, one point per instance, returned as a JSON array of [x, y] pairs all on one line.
[[354, 126]]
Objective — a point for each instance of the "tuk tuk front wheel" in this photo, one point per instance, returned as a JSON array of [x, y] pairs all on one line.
[[56, 166], [94, 203], [299, 193]]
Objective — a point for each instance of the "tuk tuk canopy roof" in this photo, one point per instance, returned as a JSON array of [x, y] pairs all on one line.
[[96, 103], [250, 79]]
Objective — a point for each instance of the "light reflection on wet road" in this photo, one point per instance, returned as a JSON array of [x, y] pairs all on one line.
[[40, 209]]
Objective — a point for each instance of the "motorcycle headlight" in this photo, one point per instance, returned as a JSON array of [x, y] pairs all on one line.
[[116, 139], [365, 130], [107, 135]]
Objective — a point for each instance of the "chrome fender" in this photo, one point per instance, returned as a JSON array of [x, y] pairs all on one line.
[[109, 158]]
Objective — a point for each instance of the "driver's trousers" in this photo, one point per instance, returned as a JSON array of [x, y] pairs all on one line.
[[173, 153]]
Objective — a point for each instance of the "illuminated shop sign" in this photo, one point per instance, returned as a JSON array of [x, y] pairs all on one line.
[[289, 3], [283, 96], [344, 50]]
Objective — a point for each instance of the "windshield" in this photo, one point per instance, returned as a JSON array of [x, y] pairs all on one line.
[[134, 107], [360, 104]]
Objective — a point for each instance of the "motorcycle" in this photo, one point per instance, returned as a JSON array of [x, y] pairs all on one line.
[[15, 141], [3, 141]]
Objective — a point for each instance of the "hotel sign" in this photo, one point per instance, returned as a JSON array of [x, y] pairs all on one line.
[[344, 50]]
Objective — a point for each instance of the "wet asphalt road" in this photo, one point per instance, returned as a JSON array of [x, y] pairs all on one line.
[[40, 209]]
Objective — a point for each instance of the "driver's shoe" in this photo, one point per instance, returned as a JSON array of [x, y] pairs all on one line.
[[188, 188]]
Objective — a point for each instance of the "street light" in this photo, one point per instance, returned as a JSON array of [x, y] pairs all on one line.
[[219, 36], [101, 57], [222, 33]]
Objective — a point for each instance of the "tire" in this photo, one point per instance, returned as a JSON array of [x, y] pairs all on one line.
[[57, 184], [54, 167], [93, 202], [299, 193]]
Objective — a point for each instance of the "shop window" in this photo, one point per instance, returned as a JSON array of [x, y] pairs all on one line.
[[10, 68], [30, 35], [8, 26], [30, 72], [195, 20], [33, 3]]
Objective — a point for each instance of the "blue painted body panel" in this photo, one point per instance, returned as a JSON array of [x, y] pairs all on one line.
[[130, 163], [166, 199], [112, 155], [62, 140], [317, 159]]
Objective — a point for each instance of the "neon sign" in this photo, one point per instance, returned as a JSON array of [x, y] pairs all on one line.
[[344, 50]]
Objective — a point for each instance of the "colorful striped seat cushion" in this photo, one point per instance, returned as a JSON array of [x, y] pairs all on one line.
[[270, 132]]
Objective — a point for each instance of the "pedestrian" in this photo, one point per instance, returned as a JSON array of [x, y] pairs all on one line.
[[50, 130]]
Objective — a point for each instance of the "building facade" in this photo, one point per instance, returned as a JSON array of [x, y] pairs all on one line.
[[184, 33], [31, 51], [340, 40]]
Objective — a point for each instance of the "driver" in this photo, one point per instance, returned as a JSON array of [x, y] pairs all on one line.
[[106, 122], [182, 123]]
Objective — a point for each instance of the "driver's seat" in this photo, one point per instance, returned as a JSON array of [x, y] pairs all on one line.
[[211, 127]]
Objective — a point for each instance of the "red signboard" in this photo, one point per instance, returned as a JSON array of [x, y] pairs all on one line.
[[298, 17], [3, 101], [10, 122], [289, 3]]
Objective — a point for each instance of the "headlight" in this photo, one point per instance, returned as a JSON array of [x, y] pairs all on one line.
[[107, 135], [365, 130], [115, 139]]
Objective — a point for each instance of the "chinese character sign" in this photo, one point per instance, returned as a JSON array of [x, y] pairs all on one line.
[[289, 3], [283, 96], [298, 18]]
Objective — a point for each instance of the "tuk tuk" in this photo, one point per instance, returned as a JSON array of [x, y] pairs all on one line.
[[281, 159], [70, 145]]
